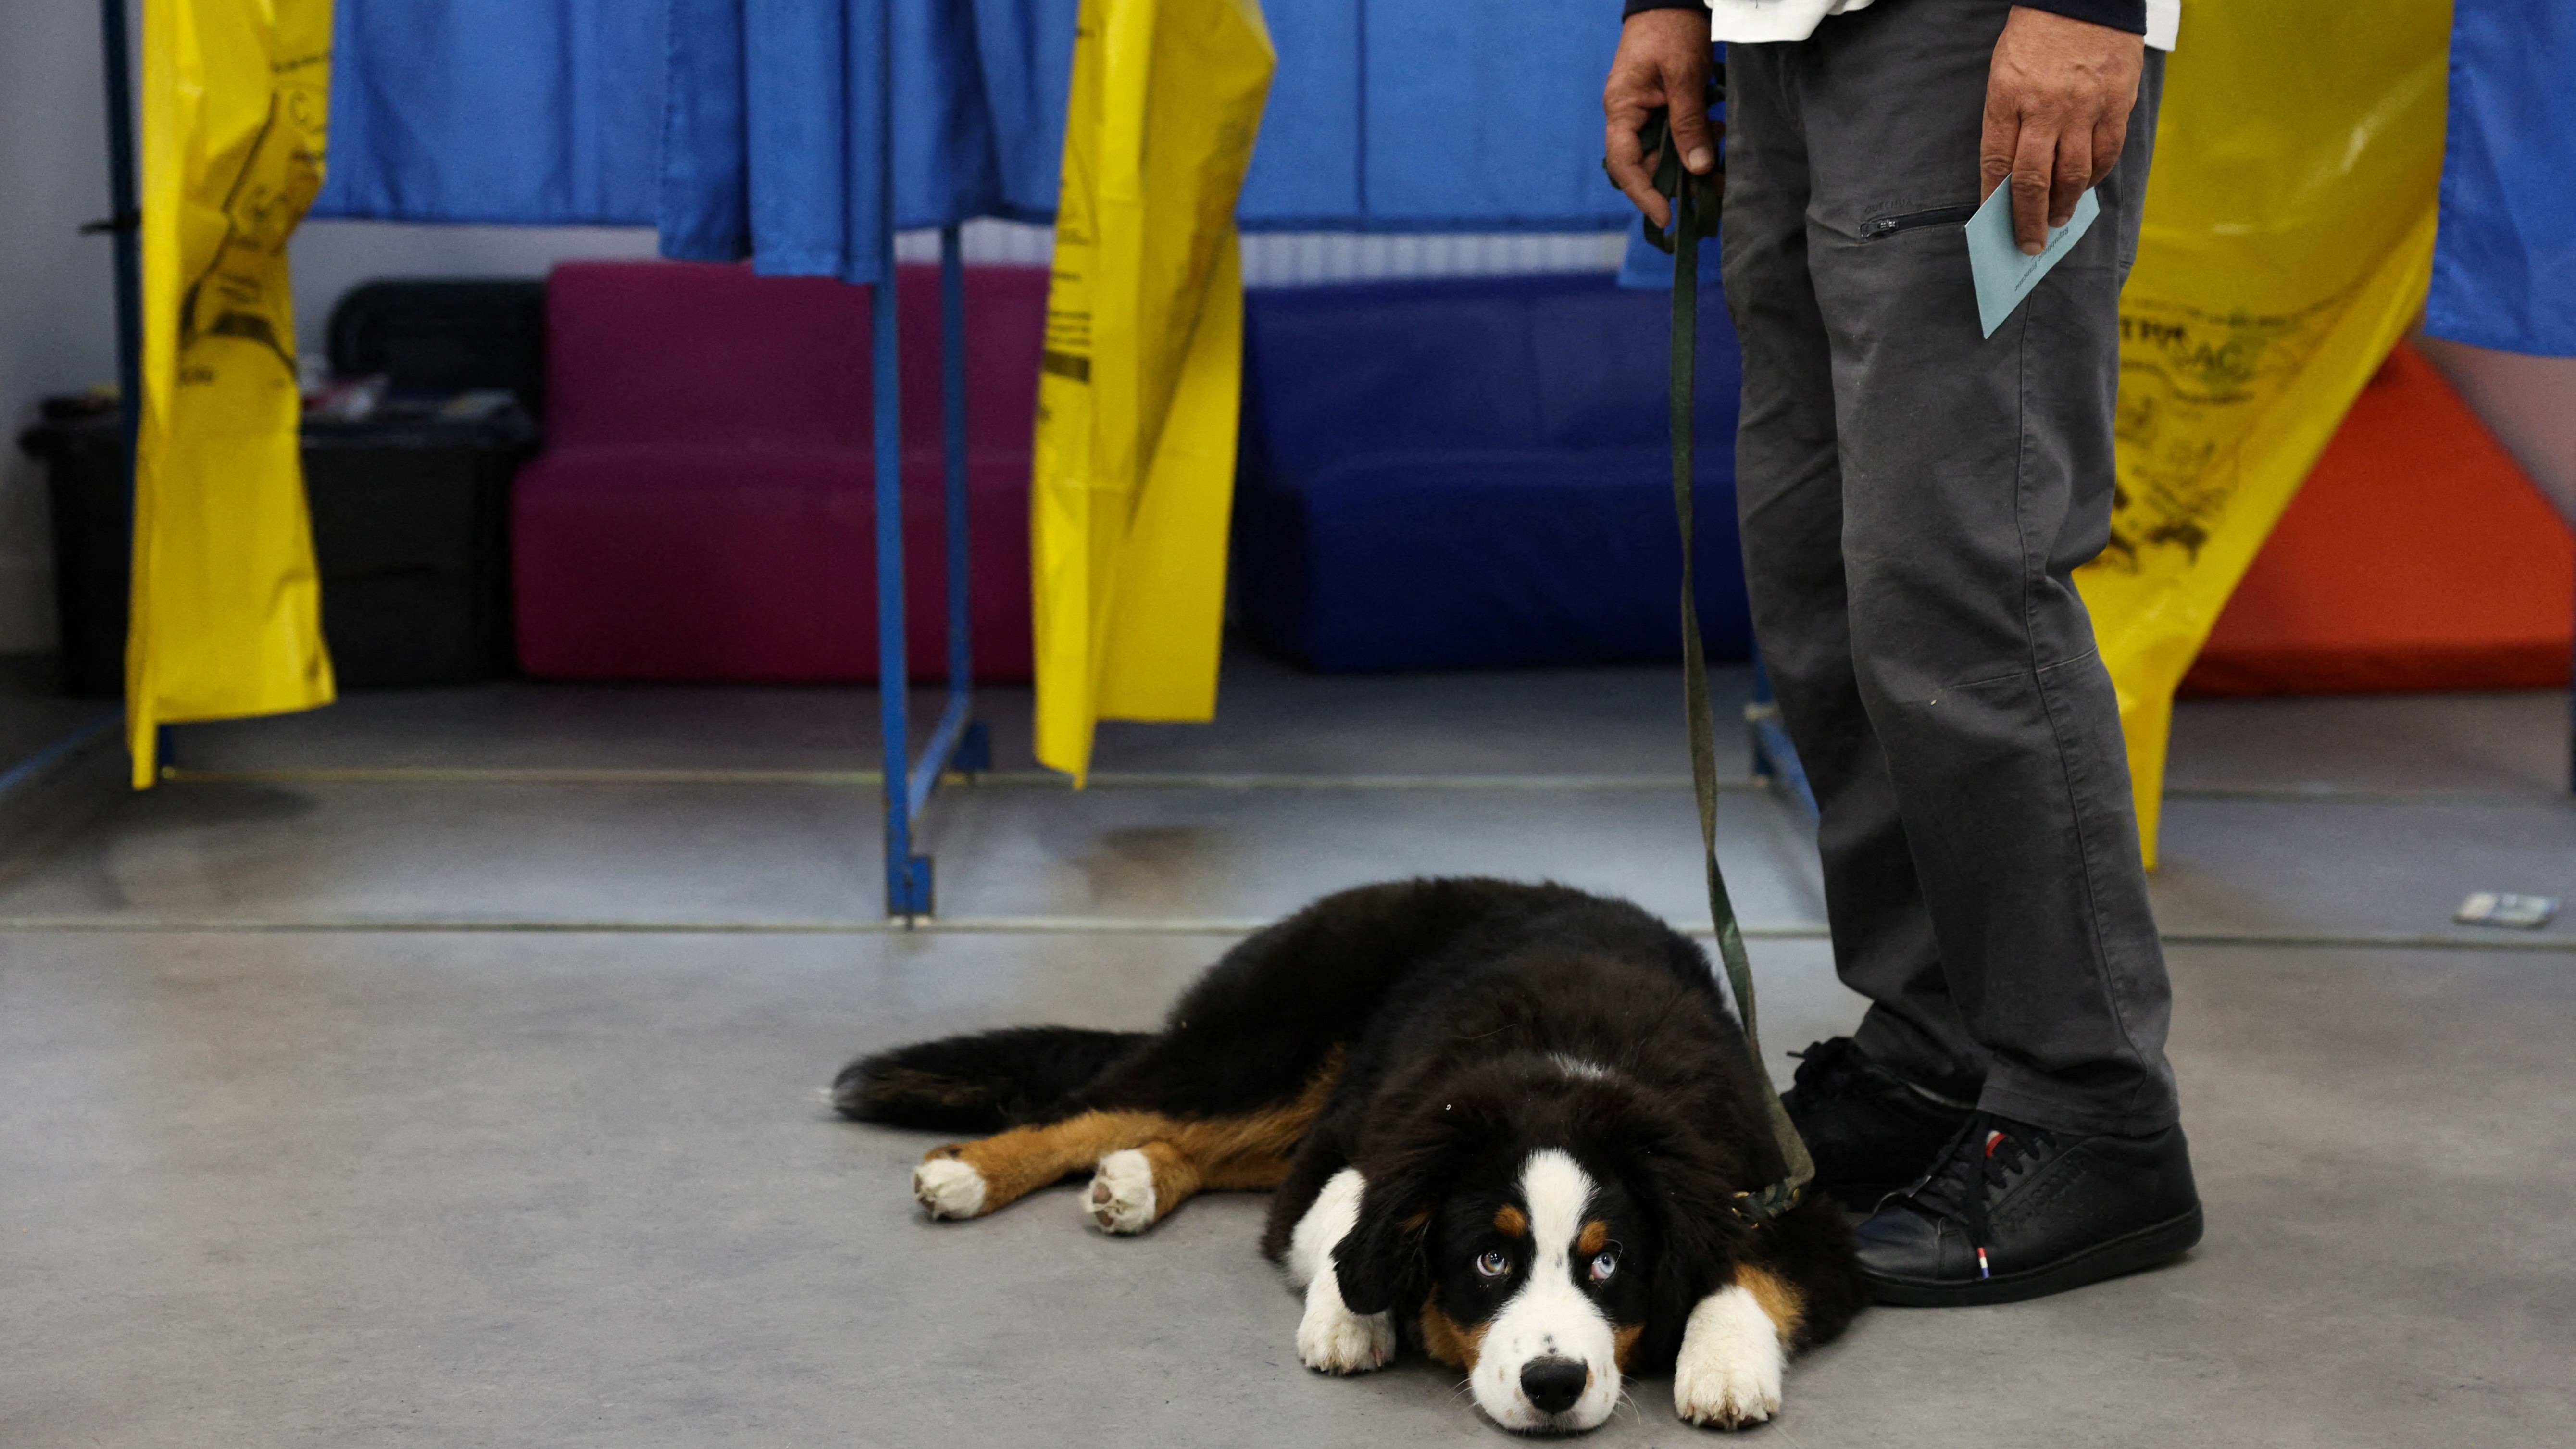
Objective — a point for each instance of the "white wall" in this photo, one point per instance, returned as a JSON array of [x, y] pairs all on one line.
[[330, 257], [57, 294], [1280, 259]]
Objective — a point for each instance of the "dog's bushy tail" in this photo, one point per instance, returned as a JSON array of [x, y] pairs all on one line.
[[981, 1083]]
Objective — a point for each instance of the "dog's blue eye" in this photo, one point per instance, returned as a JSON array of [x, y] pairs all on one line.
[[1494, 1264], [1603, 1266]]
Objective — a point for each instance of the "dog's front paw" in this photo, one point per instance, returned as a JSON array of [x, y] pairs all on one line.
[[1725, 1394], [1332, 1339], [1343, 1342], [1728, 1375], [948, 1188], [1121, 1199]]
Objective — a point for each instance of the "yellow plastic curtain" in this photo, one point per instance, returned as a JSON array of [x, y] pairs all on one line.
[[227, 610], [2287, 243], [1141, 381]]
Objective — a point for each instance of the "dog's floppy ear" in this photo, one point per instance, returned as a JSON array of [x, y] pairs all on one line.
[[1687, 1186], [1380, 1263]]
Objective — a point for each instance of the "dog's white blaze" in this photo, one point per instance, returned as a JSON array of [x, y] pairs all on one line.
[[1549, 1315], [1330, 1337], [1731, 1361]]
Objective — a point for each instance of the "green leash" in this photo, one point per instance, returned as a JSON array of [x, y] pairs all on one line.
[[1695, 209]]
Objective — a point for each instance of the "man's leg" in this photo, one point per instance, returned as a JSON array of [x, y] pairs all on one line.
[[1976, 477], [1870, 1132]]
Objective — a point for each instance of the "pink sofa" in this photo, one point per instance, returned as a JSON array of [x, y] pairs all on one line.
[[703, 509]]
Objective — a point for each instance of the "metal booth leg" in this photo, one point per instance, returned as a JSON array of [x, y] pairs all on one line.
[[908, 886], [956, 743]]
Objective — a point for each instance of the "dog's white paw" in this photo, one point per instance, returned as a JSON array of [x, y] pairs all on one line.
[[1344, 1342], [1332, 1339], [1725, 1394], [948, 1188], [1121, 1199], [1728, 1375]]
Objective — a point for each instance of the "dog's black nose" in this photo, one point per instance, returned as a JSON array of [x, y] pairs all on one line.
[[1553, 1384]]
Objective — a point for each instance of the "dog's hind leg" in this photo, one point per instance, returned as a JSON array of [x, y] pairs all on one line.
[[970, 1179], [1136, 1188], [1132, 1189]]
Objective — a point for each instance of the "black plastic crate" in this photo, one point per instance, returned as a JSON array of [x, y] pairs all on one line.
[[438, 338], [93, 544], [410, 532]]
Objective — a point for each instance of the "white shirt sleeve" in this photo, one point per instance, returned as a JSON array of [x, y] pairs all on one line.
[[1756, 22], [2164, 20]]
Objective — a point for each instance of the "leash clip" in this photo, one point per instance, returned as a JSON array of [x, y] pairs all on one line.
[[1762, 1209]]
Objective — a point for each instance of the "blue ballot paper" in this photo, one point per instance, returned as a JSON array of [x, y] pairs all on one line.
[[2004, 276]]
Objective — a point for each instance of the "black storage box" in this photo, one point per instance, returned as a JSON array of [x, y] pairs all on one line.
[[436, 338], [93, 541], [410, 530], [410, 508]]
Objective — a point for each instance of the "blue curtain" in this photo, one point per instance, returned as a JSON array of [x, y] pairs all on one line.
[[1027, 51], [1434, 115], [2504, 261], [770, 114], [539, 112], [742, 127]]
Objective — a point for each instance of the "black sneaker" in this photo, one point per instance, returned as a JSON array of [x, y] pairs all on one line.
[[2013, 1212], [1870, 1131]]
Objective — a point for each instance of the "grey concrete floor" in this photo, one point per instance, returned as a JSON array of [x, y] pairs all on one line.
[[267, 1184], [33, 712]]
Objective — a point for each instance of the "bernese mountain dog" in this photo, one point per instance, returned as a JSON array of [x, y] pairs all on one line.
[[1505, 1125]]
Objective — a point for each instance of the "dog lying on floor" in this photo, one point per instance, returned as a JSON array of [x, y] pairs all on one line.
[[1504, 1122]]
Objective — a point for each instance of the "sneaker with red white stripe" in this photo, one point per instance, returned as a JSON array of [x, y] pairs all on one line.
[[2012, 1211]]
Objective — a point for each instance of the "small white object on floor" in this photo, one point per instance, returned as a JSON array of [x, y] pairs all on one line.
[[2495, 908]]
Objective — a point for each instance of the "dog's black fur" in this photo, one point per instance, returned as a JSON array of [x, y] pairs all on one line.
[[983, 1083], [1451, 1007]]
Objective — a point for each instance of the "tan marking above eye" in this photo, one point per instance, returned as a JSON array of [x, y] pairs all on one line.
[[1510, 1221], [1596, 1236]]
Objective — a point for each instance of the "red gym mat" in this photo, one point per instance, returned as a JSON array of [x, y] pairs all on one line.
[[2417, 557]]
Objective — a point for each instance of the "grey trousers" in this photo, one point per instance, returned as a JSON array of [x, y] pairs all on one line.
[[1914, 500]]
